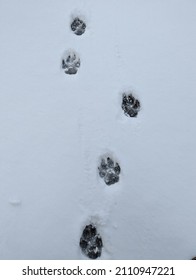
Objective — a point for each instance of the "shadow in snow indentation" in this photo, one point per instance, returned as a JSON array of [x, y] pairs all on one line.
[[91, 242]]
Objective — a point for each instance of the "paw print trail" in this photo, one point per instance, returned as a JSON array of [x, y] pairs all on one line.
[[93, 138], [93, 199]]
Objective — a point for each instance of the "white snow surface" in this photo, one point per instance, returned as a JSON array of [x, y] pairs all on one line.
[[54, 128]]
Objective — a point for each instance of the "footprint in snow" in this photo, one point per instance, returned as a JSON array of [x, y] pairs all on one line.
[[78, 26], [90, 242], [109, 171], [130, 105], [70, 62]]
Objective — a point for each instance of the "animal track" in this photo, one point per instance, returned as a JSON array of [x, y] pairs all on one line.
[[70, 62], [130, 105], [78, 26], [109, 171], [90, 242]]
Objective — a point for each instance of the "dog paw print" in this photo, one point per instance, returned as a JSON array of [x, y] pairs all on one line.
[[90, 242], [109, 171], [130, 105], [78, 26], [70, 63]]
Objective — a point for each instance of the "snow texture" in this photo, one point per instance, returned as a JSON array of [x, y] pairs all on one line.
[[56, 127]]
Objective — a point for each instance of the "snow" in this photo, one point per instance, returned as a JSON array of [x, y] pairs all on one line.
[[55, 128]]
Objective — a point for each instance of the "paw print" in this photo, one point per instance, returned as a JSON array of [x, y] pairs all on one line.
[[109, 171], [90, 242], [130, 105], [70, 62], [78, 26]]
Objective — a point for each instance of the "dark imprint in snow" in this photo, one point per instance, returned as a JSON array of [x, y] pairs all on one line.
[[71, 63], [90, 242], [78, 26], [109, 171], [130, 105]]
